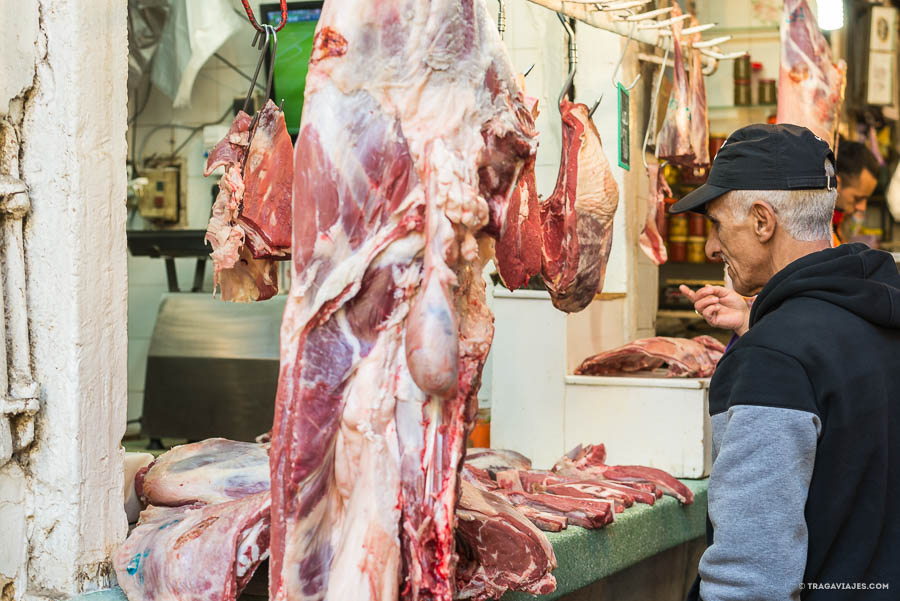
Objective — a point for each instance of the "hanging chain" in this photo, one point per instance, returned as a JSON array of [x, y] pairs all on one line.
[[253, 21]]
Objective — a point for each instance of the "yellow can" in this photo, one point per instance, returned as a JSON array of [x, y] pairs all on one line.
[[678, 226], [696, 249]]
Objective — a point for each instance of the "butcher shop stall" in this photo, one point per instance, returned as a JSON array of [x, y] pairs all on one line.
[[381, 299]]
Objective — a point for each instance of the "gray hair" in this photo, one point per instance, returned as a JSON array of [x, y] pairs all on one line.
[[804, 214]]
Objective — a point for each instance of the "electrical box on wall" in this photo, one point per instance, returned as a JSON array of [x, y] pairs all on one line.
[[161, 199]]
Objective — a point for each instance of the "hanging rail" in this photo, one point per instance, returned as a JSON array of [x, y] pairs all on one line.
[[619, 17]]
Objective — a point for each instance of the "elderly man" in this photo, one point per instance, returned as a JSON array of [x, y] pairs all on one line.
[[805, 484]]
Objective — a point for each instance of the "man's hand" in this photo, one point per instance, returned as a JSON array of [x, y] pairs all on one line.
[[720, 307]]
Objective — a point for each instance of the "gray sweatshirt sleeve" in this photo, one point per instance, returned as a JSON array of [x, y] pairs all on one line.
[[764, 458]]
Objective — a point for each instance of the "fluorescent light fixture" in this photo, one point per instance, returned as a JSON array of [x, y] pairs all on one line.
[[831, 14]]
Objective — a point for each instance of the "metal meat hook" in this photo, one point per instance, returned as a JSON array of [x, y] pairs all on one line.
[[573, 57], [263, 46], [622, 58]]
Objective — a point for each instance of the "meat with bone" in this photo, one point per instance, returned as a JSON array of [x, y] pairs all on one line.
[[589, 462], [651, 240], [499, 549], [211, 471], [810, 85], [577, 218], [250, 225], [674, 143], [673, 357], [386, 328], [495, 460], [206, 552]]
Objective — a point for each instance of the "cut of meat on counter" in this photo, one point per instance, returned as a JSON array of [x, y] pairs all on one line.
[[810, 85], [577, 219], [205, 529], [395, 193], [651, 240], [250, 227], [660, 356], [499, 549], [673, 143]]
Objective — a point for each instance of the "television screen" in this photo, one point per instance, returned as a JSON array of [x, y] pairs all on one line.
[[292, 57]]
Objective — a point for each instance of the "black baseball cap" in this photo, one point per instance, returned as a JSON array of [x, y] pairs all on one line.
[[764, 157]]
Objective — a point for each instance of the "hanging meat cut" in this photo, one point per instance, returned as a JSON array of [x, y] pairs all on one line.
[[651, 240], [577, 219], [810, 85], [250, 225], [673, 143], [670, 357], [698, 113], [386, 329], [207, 552]]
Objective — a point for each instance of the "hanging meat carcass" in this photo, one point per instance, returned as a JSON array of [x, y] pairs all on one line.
[[250, 227], [673, 143], [651, 241], [810, 85], [577, 219], [698, 113], [386, 329]]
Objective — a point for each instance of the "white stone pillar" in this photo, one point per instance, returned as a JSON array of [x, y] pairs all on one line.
[[64, 492]]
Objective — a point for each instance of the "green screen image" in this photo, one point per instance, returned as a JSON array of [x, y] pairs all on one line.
[[292, 57]]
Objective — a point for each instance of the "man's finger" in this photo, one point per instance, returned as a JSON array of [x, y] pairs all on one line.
[[708, 301], [687, 292]]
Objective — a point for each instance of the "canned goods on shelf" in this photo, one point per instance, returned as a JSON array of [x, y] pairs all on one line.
[[742, 92], [696, 249], [697, 225], [678, 227], [742, 67], [677, 249], [768, 92]]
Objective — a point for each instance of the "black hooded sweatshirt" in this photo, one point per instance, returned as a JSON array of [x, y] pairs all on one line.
[[804, 498]]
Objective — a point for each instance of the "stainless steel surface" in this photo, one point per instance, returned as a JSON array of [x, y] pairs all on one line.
[[212, 369]]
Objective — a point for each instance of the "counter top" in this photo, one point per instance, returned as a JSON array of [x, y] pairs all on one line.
[[585, 556]]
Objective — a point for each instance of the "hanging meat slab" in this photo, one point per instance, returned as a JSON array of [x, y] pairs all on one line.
[[207, 552], [651, 241], [674, 142], [810, 85], [250, 226], [577, 218], [698, 112], [386, 328], [671, 357]]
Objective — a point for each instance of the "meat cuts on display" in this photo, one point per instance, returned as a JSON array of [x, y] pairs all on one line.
[[250, 226], [698, 114], [211, 471], [810, 85], [651, 240], [386, 328], [577, 219], [674, 140], [206, 528], [669, 357], [499, 549], [194, 552]]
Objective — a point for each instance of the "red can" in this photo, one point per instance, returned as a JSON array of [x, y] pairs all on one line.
[[696, 225]]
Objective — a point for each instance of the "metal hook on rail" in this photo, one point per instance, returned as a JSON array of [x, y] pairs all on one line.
[[501, 17], [262, 45], [573, 57], [653, 101], [622, 58]]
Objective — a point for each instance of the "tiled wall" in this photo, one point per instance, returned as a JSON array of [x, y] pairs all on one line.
[[213, 90]]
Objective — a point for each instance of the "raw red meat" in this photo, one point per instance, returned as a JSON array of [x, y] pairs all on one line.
[[386, 329], [206, 552], [673, 143], [577, 218], [672, 357], [699, 121], [518, 247], [499, 549], [810, 85], [211, 471], [589, 462], [495, 460], [251, 221], [651, 240]]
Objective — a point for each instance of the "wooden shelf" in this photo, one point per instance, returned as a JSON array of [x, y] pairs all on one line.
[[678, 314]]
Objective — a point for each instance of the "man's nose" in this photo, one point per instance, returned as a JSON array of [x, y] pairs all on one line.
[[713, 248]]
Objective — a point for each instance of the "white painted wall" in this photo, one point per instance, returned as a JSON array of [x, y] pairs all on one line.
[[63, 81]]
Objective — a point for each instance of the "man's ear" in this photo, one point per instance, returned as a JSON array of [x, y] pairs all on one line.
[[763, 220]]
